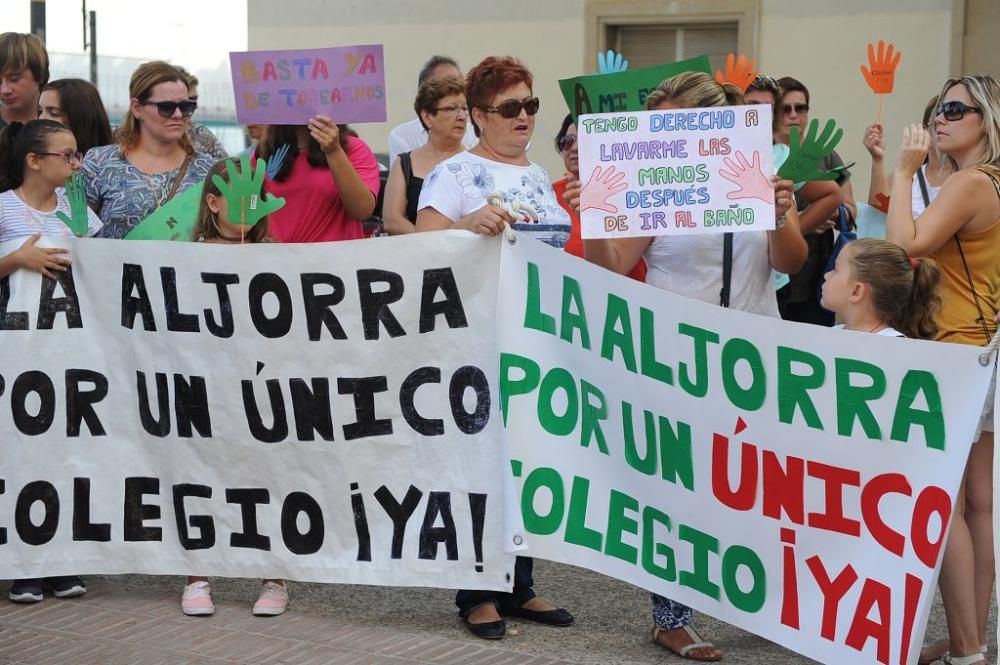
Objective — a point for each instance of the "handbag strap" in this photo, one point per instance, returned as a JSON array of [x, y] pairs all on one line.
[[178, 178], [975, 294], [406, 164], [727, 268], [922, 181]]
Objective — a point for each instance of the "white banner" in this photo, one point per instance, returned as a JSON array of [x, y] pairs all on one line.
[[792, 480], [673, 172], [311, 412]]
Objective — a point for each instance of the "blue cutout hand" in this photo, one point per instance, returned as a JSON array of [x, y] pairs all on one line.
[[277, 159], [611, 63]]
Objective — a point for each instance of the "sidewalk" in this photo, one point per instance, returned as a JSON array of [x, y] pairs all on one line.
[[136, 620]]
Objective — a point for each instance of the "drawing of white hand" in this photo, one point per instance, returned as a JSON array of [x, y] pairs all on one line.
[[747, 176], [600, 188]]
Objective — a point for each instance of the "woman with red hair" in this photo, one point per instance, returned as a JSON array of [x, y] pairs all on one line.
[[482, 190]]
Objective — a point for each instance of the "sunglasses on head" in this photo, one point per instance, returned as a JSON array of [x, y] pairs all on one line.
[[168, 109], [798, 108], [956, 110], [511, 108], [566, 142]]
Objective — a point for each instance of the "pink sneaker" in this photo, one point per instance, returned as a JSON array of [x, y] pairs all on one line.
[[196, 601], [273, 600]]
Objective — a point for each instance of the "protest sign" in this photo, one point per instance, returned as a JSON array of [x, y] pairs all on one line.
[[623, 91], [180, 408], [676, 172], [791, 480], [174, 220], [346, 83]]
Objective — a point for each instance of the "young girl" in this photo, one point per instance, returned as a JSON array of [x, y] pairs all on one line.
[[876, 287], [213, 225], [35, 159]]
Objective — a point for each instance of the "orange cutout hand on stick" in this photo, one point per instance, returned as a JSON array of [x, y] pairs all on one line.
[[882, 74], [738, 72]]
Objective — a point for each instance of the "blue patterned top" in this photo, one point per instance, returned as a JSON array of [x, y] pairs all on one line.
[[459, 186], [123, 195]]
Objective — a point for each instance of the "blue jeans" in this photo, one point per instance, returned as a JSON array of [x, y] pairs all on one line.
[[522, 593]]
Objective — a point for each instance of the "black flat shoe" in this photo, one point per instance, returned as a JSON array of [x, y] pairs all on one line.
[[491, 630], [556, 617]]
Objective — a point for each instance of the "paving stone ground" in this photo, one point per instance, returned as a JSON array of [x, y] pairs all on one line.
[[136, 620]]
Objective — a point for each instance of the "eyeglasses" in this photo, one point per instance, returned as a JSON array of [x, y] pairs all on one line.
[[70, 157], [798, 108], [566, 142], [452, 110], [956, 110], [511, 108], [168, 109]]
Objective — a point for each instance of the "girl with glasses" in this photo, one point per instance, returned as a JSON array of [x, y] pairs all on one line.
[[960, 229], [38, 157], [442, 111], [152, 159]]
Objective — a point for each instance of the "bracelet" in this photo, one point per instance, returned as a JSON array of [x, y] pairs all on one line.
[[779, 223]]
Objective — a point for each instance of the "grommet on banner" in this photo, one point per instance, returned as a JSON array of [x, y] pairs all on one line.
[[518, 540], [990, 349], [509, 234]]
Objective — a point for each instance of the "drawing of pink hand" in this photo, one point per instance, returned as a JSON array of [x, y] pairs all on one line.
[[751, 182], [600, 188]]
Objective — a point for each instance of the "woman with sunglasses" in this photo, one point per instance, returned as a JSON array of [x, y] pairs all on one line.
[[566, 145], [494, 183], [693, 266], [960, 229], [442, 111], [463, 192], [817, 203], [152, 159]]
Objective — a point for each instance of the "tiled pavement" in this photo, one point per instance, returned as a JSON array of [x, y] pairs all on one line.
[[110, 626]]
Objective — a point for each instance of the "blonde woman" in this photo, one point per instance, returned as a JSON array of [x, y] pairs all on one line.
[[152, 159], [960, 229]]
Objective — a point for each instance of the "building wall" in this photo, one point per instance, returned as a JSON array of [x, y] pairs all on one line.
[[823, 44]]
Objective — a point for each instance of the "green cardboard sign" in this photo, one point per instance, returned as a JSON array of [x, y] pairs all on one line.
[[173, 221], [623, 91]]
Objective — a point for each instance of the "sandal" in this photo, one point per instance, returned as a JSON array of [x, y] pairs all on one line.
[[698, 643], [944, 657], [971, 659]]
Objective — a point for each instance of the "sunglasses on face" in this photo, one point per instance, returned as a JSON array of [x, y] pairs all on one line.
[[956, 110], [798, 108], [168, 109], [70, 157], [511, 108], [566, 142]]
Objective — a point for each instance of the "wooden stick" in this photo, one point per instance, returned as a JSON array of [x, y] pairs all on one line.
[[881, 97]]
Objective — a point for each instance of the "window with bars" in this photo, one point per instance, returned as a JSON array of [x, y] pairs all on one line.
[[648, 44]]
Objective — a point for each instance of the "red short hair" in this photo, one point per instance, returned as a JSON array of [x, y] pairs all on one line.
[[491, 76]]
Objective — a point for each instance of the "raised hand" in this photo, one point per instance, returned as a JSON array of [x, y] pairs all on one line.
[[243, 192], [874, 142], [611, 63], [600, 188], [326, 132], [276, 160], [748, 177], [913, 150], [78, 221], [804, 155], [882, 74], [740, 73]]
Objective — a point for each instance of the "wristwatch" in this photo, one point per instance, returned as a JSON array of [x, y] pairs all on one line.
[[780, 221]]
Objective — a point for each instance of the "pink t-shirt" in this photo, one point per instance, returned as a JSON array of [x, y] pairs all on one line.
[[314, 211]]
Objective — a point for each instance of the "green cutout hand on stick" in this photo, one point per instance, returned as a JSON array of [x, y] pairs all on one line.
[[78, 221], [804, 156], [244, 202]]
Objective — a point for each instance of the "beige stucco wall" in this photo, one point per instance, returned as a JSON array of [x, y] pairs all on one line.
[[821, 43]]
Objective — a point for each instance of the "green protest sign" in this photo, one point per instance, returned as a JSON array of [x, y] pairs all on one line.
[[623, 91], [173, 221]]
